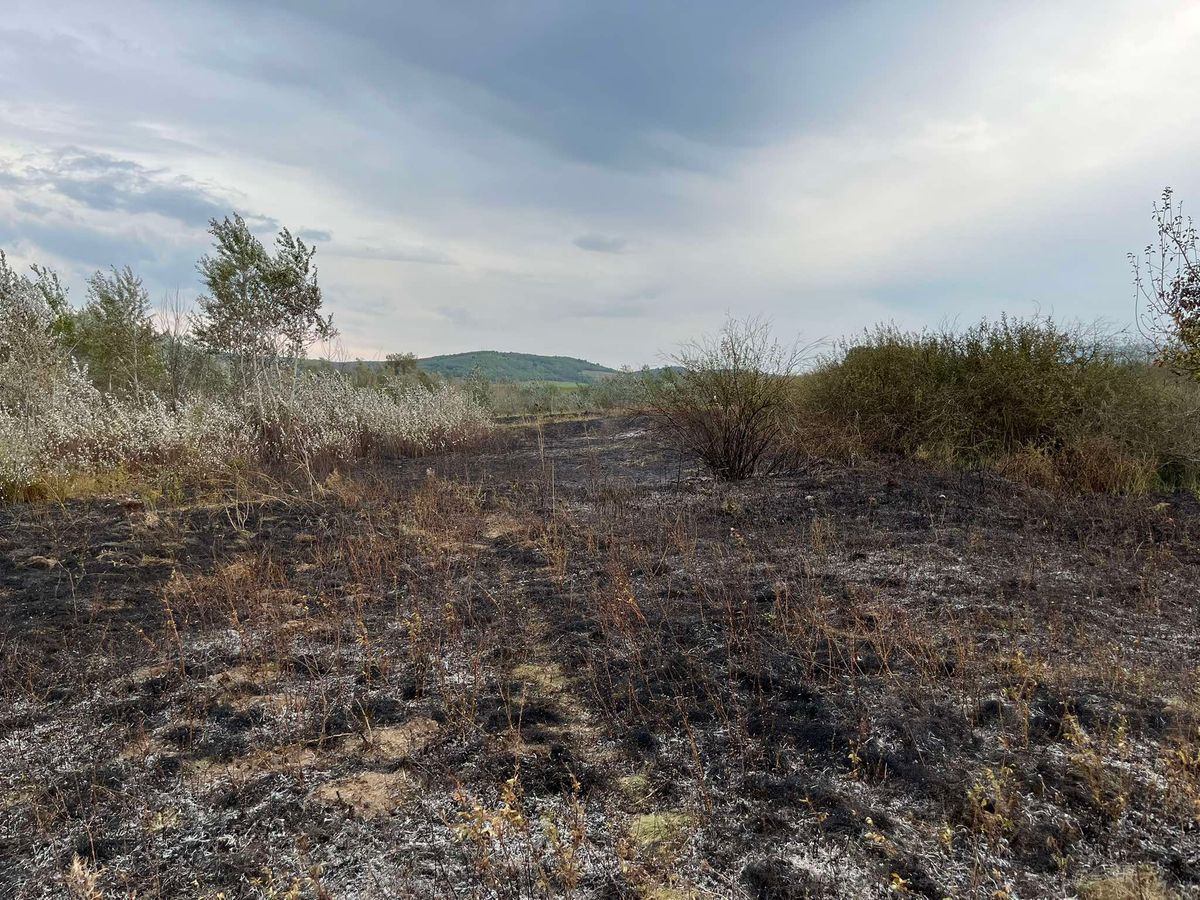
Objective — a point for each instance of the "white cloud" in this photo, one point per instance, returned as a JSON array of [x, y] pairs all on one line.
[[994, 158]]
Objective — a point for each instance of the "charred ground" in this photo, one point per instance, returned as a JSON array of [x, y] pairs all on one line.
[[567, 666]]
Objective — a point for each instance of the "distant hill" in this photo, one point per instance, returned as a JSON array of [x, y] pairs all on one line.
[[497, 366]]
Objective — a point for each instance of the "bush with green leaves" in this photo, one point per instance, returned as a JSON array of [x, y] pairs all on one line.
[[629, 389], [262, 310], [115, 334], [1062, 405]]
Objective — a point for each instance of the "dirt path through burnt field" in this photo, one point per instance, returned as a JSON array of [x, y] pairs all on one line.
[[568, 665]]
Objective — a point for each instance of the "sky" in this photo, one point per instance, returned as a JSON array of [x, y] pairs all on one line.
[[609, 179]]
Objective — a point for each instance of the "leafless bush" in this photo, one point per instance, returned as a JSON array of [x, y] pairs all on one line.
[[724, 398], [1167, 282]]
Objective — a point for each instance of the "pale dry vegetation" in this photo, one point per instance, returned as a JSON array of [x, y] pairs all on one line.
[[109, 391]]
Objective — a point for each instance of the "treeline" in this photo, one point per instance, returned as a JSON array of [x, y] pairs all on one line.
[[258, 315]]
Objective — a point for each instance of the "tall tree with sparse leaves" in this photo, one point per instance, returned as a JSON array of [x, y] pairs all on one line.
[[262, 309]]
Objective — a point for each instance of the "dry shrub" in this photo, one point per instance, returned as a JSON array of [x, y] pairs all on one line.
[[77, 431], [806, 436], [1103, 464], [725, 399], [1032, 465], [1140, 883]]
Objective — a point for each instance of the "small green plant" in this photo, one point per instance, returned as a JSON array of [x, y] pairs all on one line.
[[992, 803]]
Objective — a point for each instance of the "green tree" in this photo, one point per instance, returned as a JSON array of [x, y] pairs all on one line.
[[116, 335], [187, 367], [401, 363], [261, 309]]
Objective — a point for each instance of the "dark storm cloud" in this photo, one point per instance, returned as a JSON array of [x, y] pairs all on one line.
[[624, 84]]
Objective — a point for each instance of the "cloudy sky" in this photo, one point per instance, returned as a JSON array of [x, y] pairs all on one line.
[[607, 179]]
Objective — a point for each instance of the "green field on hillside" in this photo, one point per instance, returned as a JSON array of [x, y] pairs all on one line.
[[497, 366]]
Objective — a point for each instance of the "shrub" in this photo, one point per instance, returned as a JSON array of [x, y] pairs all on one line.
[[331, 418], [261, 314], [77, 430], [115, 333], [1055, 406], [725, 398], [622, 391], [262, 310], [33, 354], [626, 390]]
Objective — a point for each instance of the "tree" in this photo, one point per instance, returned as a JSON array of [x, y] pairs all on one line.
[[401, 363], [116, 332], [1167, 284], [261, 309], [186, 367], [34, 322]]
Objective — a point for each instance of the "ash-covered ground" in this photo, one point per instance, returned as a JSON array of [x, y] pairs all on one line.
[[568, 665]]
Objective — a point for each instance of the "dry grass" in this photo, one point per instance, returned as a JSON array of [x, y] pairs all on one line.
[[1140, 883], [566, 668]]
